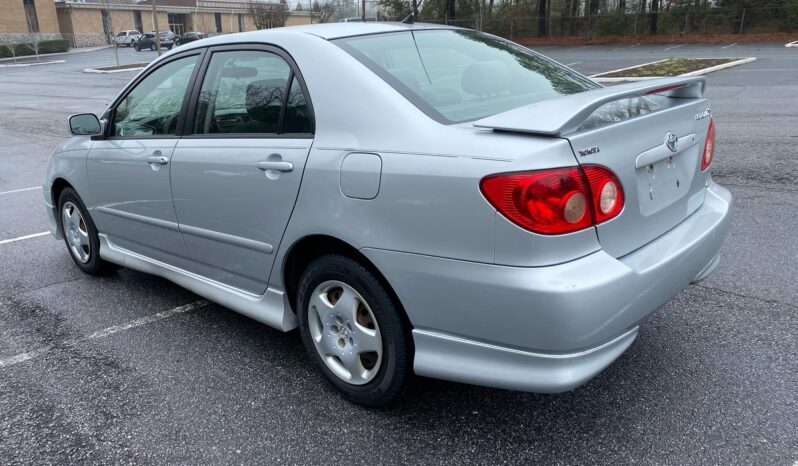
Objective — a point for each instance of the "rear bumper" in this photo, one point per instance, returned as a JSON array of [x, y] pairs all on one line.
[[547, 329]]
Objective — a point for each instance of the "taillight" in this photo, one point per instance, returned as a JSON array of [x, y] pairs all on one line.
[[606, 190], [557, 201], [709, 147]]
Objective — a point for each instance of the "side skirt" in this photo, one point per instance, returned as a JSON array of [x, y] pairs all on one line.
[[270, 308]]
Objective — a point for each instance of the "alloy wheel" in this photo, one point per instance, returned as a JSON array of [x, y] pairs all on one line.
[[76, 232], [345, 332]]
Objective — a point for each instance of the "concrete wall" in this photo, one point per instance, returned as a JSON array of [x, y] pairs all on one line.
[[12, 17]]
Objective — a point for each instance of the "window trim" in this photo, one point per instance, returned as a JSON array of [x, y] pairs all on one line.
[[190, 115], [109, 114]]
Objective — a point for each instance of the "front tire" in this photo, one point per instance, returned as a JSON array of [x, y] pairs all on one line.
[[353, 331], [137, 48], [80, 234]]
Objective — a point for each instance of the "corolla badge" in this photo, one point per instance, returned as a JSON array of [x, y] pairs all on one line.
[[672, 141], [706, 113], [589, 151]]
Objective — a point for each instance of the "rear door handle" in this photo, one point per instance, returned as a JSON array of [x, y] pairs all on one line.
[[159, 159], [275, 165]]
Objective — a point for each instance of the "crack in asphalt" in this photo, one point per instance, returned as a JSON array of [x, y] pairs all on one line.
[[741, 295]]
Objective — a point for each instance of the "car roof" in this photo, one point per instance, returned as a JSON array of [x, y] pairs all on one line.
[[330, 31]]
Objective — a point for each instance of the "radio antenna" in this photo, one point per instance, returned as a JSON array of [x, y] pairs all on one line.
[[411, 18]]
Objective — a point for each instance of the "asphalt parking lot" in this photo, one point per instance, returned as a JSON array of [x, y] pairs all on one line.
[[712, 378]]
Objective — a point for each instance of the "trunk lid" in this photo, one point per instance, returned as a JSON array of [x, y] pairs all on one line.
[[653, 142]]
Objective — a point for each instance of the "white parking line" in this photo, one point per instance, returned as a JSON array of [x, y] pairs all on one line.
[[731, 45], [20, 238], [20, 190], [675, 46], [10, 361], [574, 63]]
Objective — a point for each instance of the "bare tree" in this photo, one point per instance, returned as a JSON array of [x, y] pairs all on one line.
[[8, 41], [542, 17], [268, 15], [35, 44], [654, 14], [321, 13], [204, 22]]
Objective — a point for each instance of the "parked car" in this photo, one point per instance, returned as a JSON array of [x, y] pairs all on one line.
[[127, 38], [147, 41], [472, 211], [187, 37]]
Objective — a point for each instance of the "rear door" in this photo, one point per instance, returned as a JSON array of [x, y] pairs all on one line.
[[654, 145], [236, 171]]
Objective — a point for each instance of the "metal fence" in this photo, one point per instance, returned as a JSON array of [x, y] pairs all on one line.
[[677, 21]]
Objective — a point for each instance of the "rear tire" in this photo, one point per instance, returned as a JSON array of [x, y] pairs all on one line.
[[353, 331], [152, 47], [80, 234]]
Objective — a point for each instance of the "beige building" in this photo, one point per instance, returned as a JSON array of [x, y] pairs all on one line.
[[94, 22], [90, 23], [19, 19]]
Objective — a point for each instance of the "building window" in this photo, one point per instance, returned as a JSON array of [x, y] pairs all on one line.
[[30, 16], [137, 21], [240, 23], [177, 22], [218, 18]]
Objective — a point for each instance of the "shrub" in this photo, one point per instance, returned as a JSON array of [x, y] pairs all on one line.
[[790, 19], [26, 49]]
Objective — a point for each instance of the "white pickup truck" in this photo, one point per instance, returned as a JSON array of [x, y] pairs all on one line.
[[127, 37]]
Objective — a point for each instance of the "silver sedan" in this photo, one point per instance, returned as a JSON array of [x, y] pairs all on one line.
[[417, 199]]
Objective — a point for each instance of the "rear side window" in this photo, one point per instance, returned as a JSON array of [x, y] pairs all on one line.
[[457, 76], [250, 92]]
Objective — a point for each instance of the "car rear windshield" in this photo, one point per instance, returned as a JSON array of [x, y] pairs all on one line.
[[457, 75]]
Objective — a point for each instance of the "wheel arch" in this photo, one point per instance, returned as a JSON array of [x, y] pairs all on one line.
[[306, 249], [56, 188]]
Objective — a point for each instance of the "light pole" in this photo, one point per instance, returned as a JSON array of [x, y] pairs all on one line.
[[155, 25]]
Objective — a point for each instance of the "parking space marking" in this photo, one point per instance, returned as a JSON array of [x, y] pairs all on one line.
[[20, 190], [20, 238], [675, 47], [731, 45], [574, 63], [10, 361]]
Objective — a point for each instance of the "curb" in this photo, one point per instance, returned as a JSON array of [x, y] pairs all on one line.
[[89, 49], [36, 63], [598, 78], [92, 70], [627, 68]]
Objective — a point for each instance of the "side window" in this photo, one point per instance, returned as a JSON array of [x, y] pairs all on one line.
[[244, 92], [153, 106], [297, 113]]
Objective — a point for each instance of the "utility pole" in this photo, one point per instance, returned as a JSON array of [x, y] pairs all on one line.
[[363, 13], [155, 25]]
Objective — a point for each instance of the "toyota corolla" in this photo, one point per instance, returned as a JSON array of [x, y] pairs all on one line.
[[416, 199]]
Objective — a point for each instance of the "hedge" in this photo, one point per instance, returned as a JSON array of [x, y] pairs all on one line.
[[25, 49]]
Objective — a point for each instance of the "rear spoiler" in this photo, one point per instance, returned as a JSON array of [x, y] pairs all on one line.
[[564, 115]]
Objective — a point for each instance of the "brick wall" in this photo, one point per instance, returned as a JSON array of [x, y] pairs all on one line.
[[12, 18]]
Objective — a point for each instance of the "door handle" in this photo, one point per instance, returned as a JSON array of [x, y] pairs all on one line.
[[275, 165], [159, 159]]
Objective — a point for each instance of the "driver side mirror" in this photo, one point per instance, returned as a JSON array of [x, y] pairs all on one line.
[[85, 124]]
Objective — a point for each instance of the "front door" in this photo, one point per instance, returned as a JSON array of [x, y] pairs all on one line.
[[129, 168], [236, 177]]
